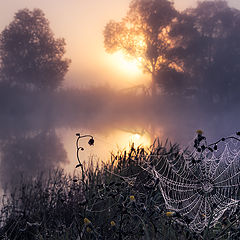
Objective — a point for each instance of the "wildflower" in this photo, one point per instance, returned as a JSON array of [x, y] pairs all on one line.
[[198, 140], [88, 229], [173, 214], [113, 224], [86, 221], [132, 198], [199, 132], [170, 214]]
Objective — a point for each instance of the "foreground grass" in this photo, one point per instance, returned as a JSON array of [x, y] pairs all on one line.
[[111, 202]]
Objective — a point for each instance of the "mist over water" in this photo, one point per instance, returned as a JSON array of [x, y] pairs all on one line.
[[38, 126], [34, 128]]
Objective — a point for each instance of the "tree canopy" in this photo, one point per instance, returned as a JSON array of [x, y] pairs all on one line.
[[196, 50], [30, 54], [207, 42], [143, 34]]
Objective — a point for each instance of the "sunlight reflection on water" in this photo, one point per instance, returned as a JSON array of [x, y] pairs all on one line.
[[105, 144]]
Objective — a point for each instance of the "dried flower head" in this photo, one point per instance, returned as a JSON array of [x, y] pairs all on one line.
[[91, 142]]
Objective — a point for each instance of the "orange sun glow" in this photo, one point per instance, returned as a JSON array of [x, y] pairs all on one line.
[[128, 66]]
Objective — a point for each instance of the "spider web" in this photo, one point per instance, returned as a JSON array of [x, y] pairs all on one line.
[[200, 186]]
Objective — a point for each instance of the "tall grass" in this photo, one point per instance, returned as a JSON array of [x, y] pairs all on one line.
[[118, 200]]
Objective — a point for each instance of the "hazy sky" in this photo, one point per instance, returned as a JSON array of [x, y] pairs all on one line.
[[81, 23]]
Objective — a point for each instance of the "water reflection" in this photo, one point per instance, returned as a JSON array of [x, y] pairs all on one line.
[[33, 125], [105, 144]]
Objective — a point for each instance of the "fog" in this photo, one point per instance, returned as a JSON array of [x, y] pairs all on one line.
[[28, 129], [205, 96]]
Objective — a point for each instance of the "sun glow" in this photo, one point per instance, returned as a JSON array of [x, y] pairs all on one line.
[[131, 67], [126, 138], [105, 144], [136, 137]]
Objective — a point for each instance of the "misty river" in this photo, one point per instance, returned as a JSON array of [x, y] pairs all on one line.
[[38, 130]]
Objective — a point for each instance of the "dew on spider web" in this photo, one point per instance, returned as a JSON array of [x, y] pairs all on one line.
[[200, 186]]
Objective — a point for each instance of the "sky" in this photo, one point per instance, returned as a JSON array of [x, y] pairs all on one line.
[[81, 24]]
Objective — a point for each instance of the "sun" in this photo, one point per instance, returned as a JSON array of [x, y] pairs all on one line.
[[125, 138], [130, 67], [136, 137]]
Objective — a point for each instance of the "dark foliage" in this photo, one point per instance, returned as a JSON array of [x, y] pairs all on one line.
[[207, 44], [117, 201], [190, 53], [30, 54]]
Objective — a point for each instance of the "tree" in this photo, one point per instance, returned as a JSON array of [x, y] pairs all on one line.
[[143, 35], [30, 55], [207, 42]]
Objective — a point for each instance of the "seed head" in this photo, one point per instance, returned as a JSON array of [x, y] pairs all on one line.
[[91, 142]]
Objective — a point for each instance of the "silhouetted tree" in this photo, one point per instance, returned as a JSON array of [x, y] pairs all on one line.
[[207, 42], [172, 82], [143, 35], [30, 54], [29, 155]]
